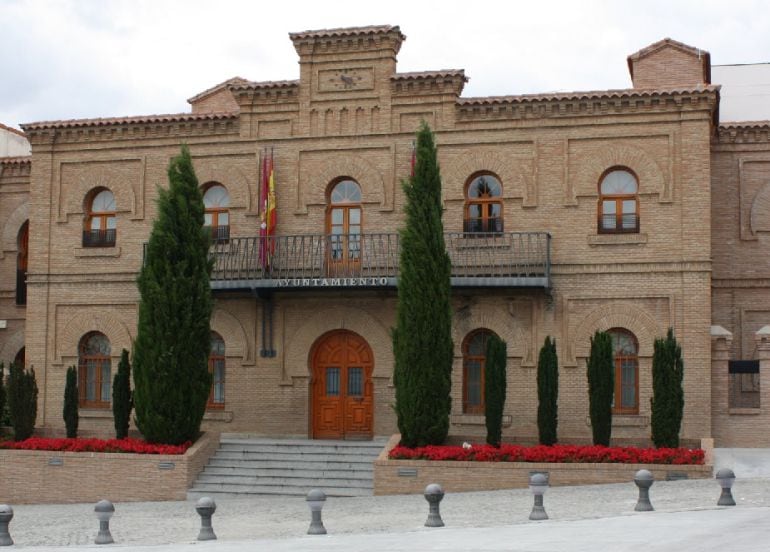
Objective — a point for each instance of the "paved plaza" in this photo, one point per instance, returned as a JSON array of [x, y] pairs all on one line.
[[686, 518]]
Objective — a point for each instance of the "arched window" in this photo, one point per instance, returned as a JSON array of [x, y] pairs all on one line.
[[101, 222], [618, 202], [217, 370], [22, 258], [343, 223], [94, 371], [21, 357], [216, 202], [625, 351], [484, 205], [474, 365]]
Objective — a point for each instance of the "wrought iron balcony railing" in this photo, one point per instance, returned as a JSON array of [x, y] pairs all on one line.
[[512, 259], [99, 238]]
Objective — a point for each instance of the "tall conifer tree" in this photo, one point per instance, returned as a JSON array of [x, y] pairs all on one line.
[[172, 345], [122, 402], [668, 396], [601, 387], [70, 411], [422, 338], [495, 384], [547, 392]]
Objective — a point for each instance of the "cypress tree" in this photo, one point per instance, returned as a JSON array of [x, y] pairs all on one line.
[[171, 377], [70, 412], [494, 388], [422, 338], [547, 392], [2, 394], [601, 387], [122, 401], [22, 401], [668, 396]]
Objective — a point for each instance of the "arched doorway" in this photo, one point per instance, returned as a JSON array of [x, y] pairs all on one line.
[[341, 388]]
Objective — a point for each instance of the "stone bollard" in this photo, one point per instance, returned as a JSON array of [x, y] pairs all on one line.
[[206, 508], [6, 515], [644, 481], [104, 510], [726, 477], [434, 494], [538, 484], [315, 499]]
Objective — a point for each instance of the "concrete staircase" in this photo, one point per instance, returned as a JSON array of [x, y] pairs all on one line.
[[245, 466]]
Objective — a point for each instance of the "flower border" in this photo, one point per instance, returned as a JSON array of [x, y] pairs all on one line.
[[127, 445], [553, 454]]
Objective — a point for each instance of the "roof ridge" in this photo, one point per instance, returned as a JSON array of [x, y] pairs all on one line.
[[587, 94], [102, 121], [13, 130]]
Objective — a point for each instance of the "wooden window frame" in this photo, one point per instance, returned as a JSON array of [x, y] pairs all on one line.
[[618, 228], [476, 409], [618, 360], [22, 263], [470, 224], [104, 236], [212, 403], [346, 208], [219, 232], [99, 402]]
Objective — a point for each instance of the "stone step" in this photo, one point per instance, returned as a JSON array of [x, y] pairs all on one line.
[[242, 491], [295, 464], [260, 471], [290, 467], [304, 482], [304, 456]]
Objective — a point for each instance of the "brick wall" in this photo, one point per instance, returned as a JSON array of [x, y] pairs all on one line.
[[33, 477]]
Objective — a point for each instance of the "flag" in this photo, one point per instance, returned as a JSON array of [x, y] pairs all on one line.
[[271, 215], [263, 200]]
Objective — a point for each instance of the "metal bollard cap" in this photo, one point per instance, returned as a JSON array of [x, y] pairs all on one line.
[[725, 473], [644, 475], [207, 503], [104, 506], [316, 495], [5, 509], [434, 489]]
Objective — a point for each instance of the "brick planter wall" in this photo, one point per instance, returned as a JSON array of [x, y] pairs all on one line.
[[37, 477], [412, 476]]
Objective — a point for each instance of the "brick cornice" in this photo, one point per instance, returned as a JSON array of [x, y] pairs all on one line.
[[572, 104], [744, 132]]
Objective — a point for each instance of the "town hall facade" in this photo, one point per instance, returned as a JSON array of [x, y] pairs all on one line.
[[629, 211]]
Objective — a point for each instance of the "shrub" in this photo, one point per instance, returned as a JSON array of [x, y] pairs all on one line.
[[122, 401], [547, 392], [70, 412], [494, 388], [668, 396], [22, 401], [601, 387]]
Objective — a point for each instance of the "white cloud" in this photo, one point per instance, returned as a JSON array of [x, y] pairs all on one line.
[[86, 58]]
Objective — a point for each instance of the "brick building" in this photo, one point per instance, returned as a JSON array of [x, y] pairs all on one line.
[[625, 210]]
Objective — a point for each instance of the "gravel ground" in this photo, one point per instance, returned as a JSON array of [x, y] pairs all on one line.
[[239, 519]]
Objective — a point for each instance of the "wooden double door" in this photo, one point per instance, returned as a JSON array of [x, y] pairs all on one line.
[[342, 402]]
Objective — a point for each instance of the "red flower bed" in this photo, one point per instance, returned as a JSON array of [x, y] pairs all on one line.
[[555, 453], [95, 445]]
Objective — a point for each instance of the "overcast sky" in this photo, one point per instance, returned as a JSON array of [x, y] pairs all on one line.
[[65, 59]]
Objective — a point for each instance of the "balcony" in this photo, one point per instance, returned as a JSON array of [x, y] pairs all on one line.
[[512, 259], [99, 238]]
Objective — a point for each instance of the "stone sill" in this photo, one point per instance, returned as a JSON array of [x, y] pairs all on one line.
[[218, 416], [94, 413], [96, 252], [617, 239], [476, 419], [744, 411], [625, 420]]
